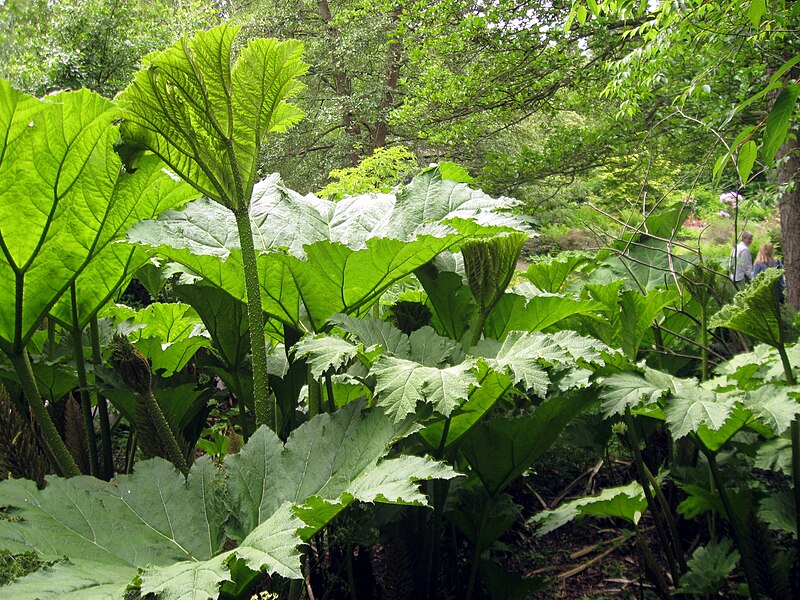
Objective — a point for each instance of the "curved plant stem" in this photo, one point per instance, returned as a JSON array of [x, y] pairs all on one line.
[[296, 589], [787, 366], [795, 433], [651, 502], [667, 512], [703, 341], [476, 554], [102, 404], [314, 395], [83, 386], [265, 412], [351, 573], [658, 337], [651, 565], [329, 390], [130, 452], [440, 490], [476, 327], [64, 461], [749, 563], [51, 339]]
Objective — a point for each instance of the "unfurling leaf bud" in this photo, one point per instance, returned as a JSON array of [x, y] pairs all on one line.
[[490, 265], [131, 365]]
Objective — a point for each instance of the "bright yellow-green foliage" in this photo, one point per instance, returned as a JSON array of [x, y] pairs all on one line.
[[376, 173]]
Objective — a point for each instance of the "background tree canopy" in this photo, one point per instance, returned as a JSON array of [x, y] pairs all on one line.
[[621, 104]]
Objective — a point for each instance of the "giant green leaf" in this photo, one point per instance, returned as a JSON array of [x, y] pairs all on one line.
[[149, 193], [708, 568], [534, 313], [756, 311], [779, 513], [431, 198], [319, 258], [64, 197], [207, 119], [225, 318], [323, 352], [375, 334], [326, 464], [153, 517], [491, 386], [171, 530], [451, 299], [695, 407], [607, 328], [502, 449], [525, 354], [400, 384], [775, 406], [168, 334], [761, 364], [73, 579], [637, 313], [625, 502], [628, 390], [551, 275], [643, 258]]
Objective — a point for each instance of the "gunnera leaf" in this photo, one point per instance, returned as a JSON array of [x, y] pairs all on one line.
[[169, 531], [204, 116], [168, 334], [318, 258], [708, 568], [502, 449], [65, 197], [625, 502], [756, 311], [326, 464], [551, 275]]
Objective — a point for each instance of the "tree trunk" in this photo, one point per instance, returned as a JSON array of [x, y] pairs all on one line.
[[789, 181], [341, 83], [390, 84]]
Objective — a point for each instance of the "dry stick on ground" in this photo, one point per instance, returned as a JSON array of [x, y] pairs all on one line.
[[589, 549], [538, 497], [574, 482], [592, 475], [580, 568]]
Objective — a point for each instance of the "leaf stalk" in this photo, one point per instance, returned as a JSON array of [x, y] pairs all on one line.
[[83, 386], [265, 412], [56, 446], [102, 404]]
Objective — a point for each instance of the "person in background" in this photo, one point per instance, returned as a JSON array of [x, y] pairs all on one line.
[[741, 263], [765, 260]]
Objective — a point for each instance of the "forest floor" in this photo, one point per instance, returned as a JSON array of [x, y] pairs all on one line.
[[590, 559]]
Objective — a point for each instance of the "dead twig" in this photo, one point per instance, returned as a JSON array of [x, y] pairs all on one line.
[[581, 568], [572, 485]]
